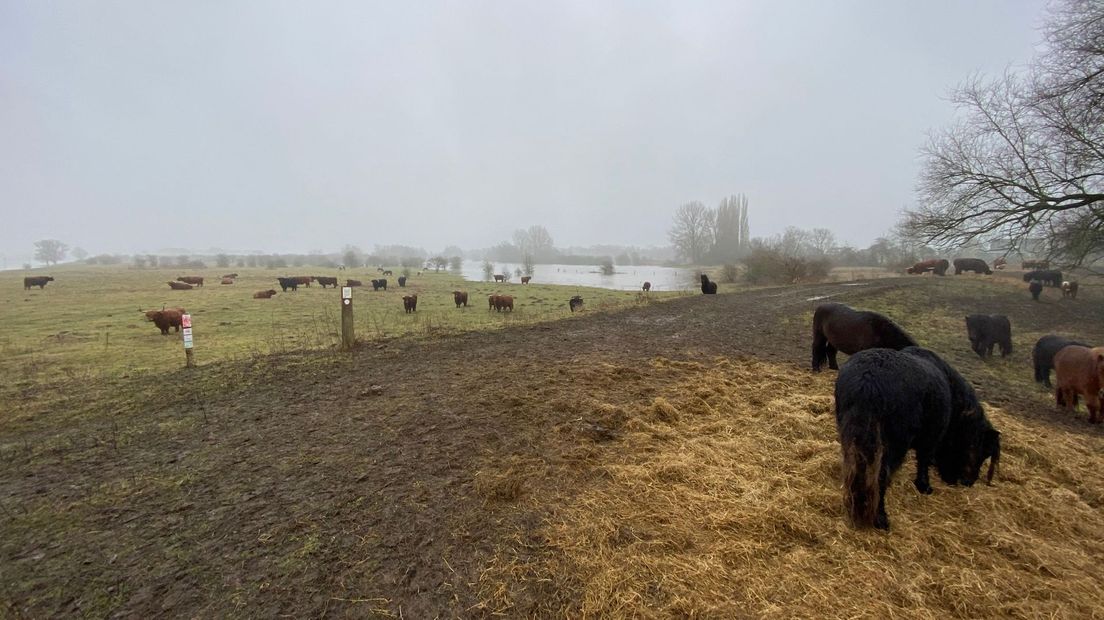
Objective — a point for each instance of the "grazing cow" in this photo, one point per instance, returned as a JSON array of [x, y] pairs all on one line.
[[938, 266], [987, 330], [888, 402], [1079, 371], [1000, 263], [325, 281], [1069, 289], [231, 275], [353, 283], [286, 283], [461, 298], [402, 281], [1035, 264], [707, 287], [499, 277], [1035, 288], [226, 281], [1043, 355], [166, 318], [837, 327], [1048, 277], [410, 303], [378, 284], [39, 281], [303, 280], [971, 264], [575, 303], [647, 286], [264, 294], [387, 272], [503, 302], [194, 280], [525, 279], [180, 286]]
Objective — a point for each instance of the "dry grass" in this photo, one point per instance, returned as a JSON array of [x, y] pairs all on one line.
[[719, 496]]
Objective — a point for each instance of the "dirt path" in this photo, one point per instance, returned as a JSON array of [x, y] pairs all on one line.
[[322, 495]]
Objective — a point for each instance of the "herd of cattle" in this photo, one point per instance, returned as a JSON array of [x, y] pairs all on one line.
[[1040, 273], [893, 395]]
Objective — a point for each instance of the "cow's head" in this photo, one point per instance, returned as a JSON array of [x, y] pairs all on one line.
[[965, 448]]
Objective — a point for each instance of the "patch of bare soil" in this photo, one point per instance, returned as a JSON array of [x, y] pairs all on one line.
[[674, 459]]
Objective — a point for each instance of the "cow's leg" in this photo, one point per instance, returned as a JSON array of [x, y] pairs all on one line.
[[831, 351], [924, 455], [881, 521], [820, 342]]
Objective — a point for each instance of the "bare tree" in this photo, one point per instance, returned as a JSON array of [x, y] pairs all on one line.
[[456, 263], [50, 251], [821, 241], [730, 228], [692, 231], [80, 253], [534, 241], [1027, 159], [439, 263], [527, 265]]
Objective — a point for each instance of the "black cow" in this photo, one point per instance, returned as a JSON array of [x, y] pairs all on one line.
[[286, 283], [575, 302], [707, 287], [1050, 277], [987, 330], [888, 402], [1035, 288], [39, 281], [1043, 355], [326, 280], [402, 281], [837, 327], [378, 284], [971, 264]]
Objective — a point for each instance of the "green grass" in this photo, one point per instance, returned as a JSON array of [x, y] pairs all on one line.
[[87, 323]]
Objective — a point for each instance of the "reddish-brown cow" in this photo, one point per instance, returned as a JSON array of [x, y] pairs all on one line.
[[410, 303], [461, 298], [264, 294], [166, 318], [180, 286], [1080, 372], [196, 280], [503, 302]]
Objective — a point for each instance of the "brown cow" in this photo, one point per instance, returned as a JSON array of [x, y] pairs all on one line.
[[647, 286], [491, 301], [525, 279], [264, 294], [1069, 289], [410, 303], [499, 277], [938, 266], [302, 280], [461, 298], [196, 280], [227, 281], [1080, 372], [353, 283], [503, 302], [180, 286], [39, 281], [166, 318], [231, 275], [326, 280]]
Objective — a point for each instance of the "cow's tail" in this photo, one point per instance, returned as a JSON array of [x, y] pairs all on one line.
[[820, 341], [863, 451]]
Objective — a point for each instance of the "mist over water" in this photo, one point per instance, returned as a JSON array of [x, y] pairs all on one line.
[[627, 278]]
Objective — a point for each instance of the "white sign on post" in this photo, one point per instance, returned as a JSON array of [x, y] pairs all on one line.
[[346, 295], [186, 324]]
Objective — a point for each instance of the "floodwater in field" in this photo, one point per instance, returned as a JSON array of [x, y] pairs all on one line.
[[625, 278]]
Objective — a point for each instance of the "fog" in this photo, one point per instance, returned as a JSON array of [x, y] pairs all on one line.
[[279, 126]]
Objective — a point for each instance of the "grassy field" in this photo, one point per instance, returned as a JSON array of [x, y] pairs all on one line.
[[88, 323]]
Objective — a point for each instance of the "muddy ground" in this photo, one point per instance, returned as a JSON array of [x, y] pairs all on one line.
[[387, 481]]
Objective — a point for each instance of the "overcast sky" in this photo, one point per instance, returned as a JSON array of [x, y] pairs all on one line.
[[290, 126]]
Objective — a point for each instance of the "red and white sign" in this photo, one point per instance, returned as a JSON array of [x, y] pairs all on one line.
[[186, 320]]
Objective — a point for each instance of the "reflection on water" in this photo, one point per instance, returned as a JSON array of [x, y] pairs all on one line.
[[626, 278]]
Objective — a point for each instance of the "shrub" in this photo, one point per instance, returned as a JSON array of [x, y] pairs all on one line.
[[729, 274], [771, 266]]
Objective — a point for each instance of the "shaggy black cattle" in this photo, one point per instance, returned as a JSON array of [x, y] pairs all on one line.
[[1048, 277], [1043, 355], [39, 281], [286, 283], [971, 264], [402, 281], [987, 330], [708, 288], [837, 327], [378, 284], [1036, 289], [575, 303], [888, 402], [326, 281]]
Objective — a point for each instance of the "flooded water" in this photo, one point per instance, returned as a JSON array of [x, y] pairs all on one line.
[[627, 278]]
